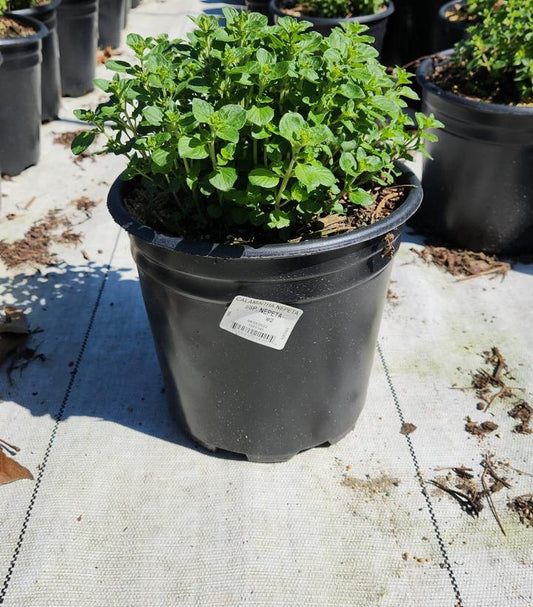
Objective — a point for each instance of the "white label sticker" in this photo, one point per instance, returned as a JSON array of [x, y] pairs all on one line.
[[264, 322]]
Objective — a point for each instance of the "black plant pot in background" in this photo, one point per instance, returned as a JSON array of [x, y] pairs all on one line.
[[77, 29], [50, 71], [20, 98], [448, 32], [410, 31], [233, 394], [479, 187], [260, 6], [377, 23], [111, 15], [126, 12], [135, 3]]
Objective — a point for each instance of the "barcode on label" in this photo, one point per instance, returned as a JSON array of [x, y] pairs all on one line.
[[267, 323], [249, 331]]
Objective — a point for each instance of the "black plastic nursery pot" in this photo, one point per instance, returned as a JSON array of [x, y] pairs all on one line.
[[111, 17], [448, 32], [77, 29], [50, 71], [234, 394], [376, 23], [20, 98], [410, 31], [479, 187]]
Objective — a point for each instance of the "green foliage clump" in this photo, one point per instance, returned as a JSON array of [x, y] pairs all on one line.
[[337, 9], [15, 5], [255, 126], [497, 55], [477, 8]]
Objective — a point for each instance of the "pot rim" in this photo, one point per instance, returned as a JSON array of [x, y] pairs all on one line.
[[36, 11], [426, 67], [40, 31], [309, 247], [337, 21]]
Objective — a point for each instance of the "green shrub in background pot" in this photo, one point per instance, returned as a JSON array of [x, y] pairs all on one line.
[[264, 202], [479, 189], [325, 15]]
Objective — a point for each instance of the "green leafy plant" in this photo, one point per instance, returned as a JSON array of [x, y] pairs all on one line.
[[335, 9], [495, 61], [254, 127]]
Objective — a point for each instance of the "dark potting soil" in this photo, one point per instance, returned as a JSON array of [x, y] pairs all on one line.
[[294, 8], [476, 85], [457, 12], [9, 28], [159, 216]]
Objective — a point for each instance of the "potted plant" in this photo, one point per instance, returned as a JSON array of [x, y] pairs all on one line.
[[20, 91], [77, 30], [258, 197], [479, 187], [45, 12], [327, 14], [455, 17]]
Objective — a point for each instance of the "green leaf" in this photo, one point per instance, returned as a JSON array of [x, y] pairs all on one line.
[[192, 147], [361, 198], [102, 84], [153, 115], [82, 141], [233, 116], [136, 42], [122, 67], [260, 116], [202, 110], [228, 133], [291, 126], [313, 176], [160, 157], [223, 178], [352, 91], [348, 163], [386, 105], [264, 57], [264, 178], [278, 219]]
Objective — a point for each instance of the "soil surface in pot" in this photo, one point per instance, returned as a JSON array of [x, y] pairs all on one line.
[[476, 85], [159, 217], [457, 13], [9, 28], [293, 8]]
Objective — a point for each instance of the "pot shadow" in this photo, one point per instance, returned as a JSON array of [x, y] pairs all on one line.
[[60, 305]]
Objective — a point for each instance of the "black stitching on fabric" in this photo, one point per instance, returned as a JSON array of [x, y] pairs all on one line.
[[432, 515], [58, 418]]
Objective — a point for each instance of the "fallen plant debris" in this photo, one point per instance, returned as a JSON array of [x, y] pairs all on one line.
[[34, 247], [85, 204], [523, 506], [480, 429], [407, 428], [392, 298], [523, 412], [459, 262], [490, 385], [471, 495], [103, 55], [10, 469]]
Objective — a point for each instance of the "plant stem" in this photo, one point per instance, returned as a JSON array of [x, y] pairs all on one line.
[[285, 181]]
